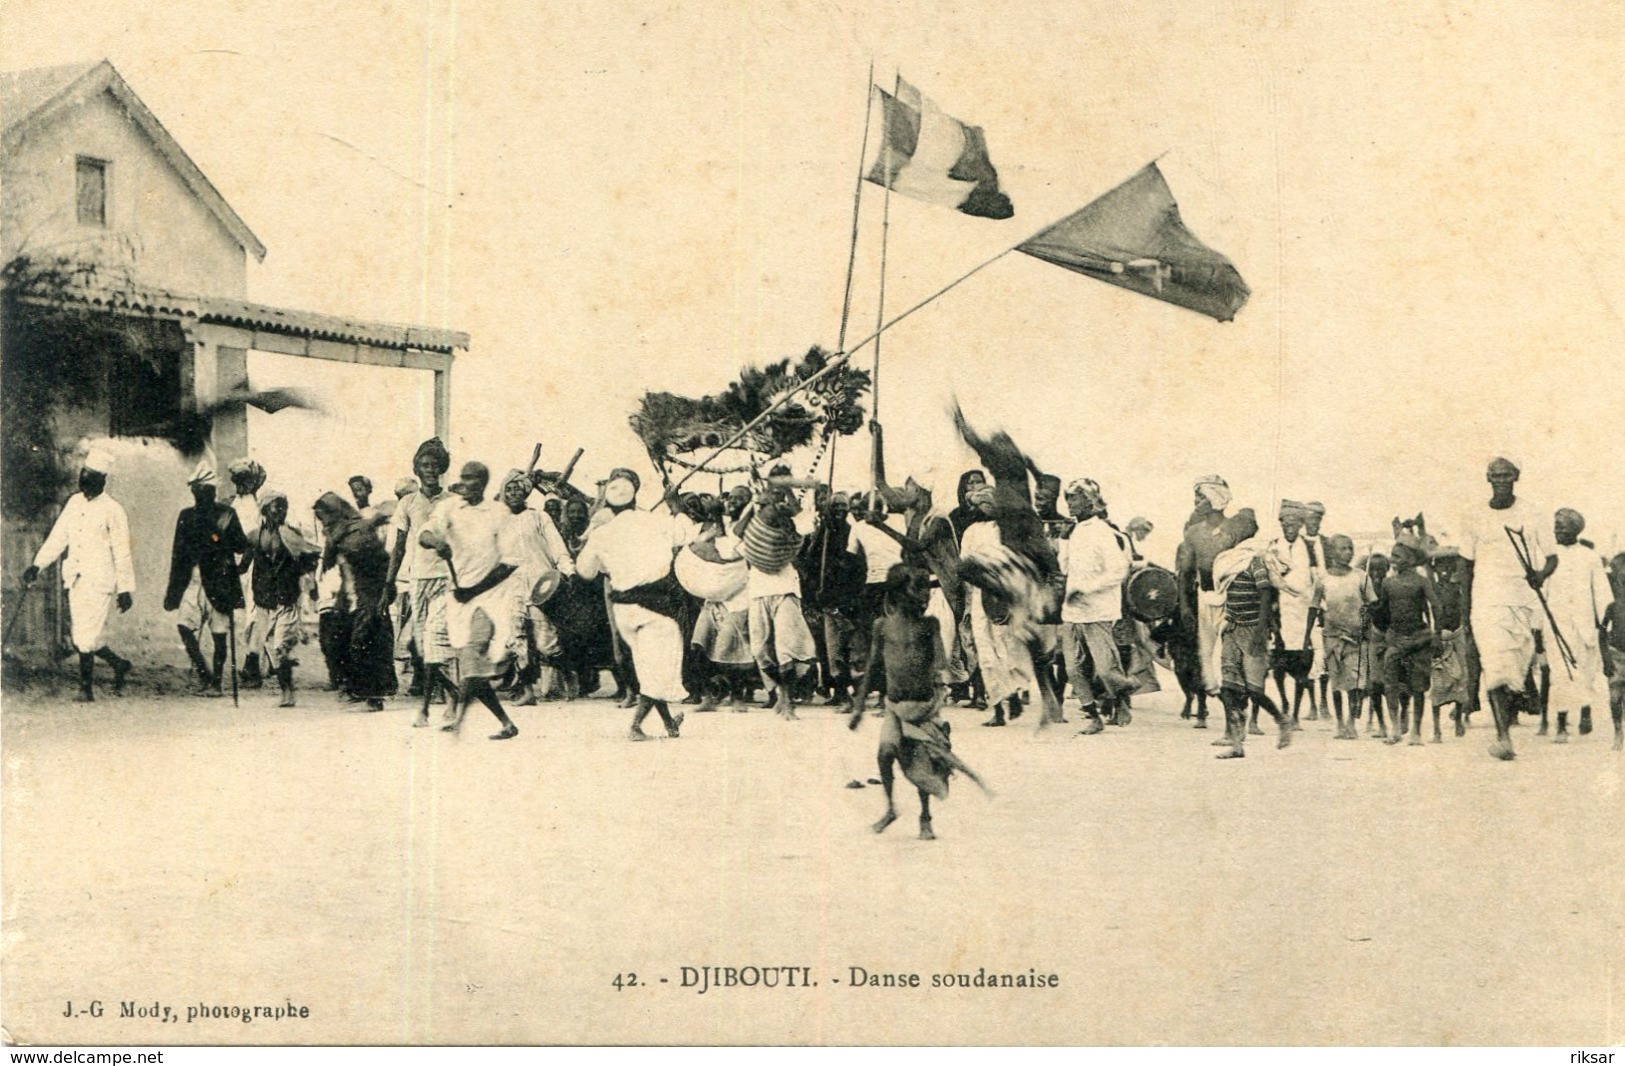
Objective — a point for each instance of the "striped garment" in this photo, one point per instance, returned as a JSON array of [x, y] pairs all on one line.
[[769, 547], [1243, 601]]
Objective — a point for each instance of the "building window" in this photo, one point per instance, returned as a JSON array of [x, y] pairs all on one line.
[[91, 177]]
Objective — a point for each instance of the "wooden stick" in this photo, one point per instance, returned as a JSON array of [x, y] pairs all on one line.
[[857, 202], [569, 468], [16, 611], [880, 304], [231, 627], [846, 354], [1527, 560]]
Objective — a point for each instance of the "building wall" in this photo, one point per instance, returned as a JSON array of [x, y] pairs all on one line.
[[149, 480], [157, 229], [158, 235], [148, 477]]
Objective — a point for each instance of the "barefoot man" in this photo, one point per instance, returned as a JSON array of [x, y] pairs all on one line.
[[1241, 576], [482, 551], [635, 549], [1579, 597], [205, 585], [1503, 608], [281, 558], [1201, 607], [1095, 568]]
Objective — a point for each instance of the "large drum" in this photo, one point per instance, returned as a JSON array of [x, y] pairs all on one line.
[[709, 579], [1151, 594]]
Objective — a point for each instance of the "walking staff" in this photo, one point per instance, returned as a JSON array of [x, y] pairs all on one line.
[[1520, 545], [205, 589]]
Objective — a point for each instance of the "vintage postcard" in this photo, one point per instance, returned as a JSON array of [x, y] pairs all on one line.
[[799, 523]]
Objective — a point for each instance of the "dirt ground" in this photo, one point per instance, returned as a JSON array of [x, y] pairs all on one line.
[[413, 887]]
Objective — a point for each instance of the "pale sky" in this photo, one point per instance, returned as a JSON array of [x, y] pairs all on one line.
[[612, 197]]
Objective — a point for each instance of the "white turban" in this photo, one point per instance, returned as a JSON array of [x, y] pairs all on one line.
[[1216, 493], [98, 461], [619, 492]]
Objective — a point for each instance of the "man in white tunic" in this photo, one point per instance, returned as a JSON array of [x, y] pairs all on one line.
[[1503, 607], [430, 577], [480, 546], [635, 550], [543, 562], [1578, 594], [999, 623], [1295, 572], [94, 534], [1316, 543], [1095, 568], [247, 478]]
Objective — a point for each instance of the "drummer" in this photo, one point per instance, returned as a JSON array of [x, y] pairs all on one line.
[[1095, 567], [1151, 596], [712, 569], [779, 638], [544, 559]]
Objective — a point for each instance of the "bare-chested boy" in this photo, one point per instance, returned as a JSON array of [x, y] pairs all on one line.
[[907, 644], [1341, 603], [1376, 646], [1407, 607]]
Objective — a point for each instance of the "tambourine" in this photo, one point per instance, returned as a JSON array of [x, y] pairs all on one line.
[[545, 587]]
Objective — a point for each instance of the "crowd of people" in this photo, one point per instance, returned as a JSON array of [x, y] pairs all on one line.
[[781, 590]]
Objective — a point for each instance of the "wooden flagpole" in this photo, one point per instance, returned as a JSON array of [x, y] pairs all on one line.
[[885, 235], [857, 203], [835, 363], [848, 352], [841, 357], [846, 299]]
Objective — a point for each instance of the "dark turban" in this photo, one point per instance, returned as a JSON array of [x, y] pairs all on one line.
[[435, 450]]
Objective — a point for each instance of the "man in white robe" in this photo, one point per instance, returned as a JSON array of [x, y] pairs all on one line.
[[635, 549], [1505, 547], [1295, 574], [92, 538], [247, 479], [1578, 594]]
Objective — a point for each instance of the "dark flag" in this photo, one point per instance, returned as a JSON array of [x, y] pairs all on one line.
[[1133, 237], [932, 156], [189, 431]]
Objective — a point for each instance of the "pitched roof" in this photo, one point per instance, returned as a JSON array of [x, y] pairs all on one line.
[[262, 318], [28, 98], [22, 92]]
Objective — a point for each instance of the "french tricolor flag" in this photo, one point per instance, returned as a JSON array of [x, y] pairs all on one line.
[[934, 157]]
